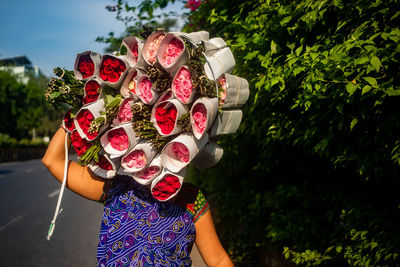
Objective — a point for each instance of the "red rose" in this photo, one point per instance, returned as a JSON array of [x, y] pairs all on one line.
[[104, 163], [92, 92], [68, 121], [84, 118], [111, 69], [166, 187], [80, 145], [166, 118], [86, 66]]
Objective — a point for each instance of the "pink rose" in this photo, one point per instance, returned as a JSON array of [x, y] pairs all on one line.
[[182, 85], [180, 151], [145, 90], [125, 111], [151, 51], [136, 159], [172, 51], [199, 114], [118, 139], [148, 173]]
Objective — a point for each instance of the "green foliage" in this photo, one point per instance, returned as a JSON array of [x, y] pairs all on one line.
[[23, 107], [321, 132]]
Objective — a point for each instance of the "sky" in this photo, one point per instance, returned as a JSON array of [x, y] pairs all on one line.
[[51, 32]]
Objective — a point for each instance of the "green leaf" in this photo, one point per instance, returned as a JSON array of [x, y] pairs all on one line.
[[366, 89], [55, 95], [376, 63], [371, 81], [361, 60], [285, 20], [393, 92], [338, 249], [351, 88], [251, 55], [352, 124], [273, 47]]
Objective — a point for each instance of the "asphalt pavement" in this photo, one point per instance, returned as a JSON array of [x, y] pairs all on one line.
[[28, 197]]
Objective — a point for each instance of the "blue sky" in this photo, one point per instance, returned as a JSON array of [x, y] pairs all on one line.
[[51, 32]]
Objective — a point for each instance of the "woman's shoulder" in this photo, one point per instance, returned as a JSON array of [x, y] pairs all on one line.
[[192, 199]]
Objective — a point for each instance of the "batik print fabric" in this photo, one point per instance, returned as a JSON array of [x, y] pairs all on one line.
[[137, 230]]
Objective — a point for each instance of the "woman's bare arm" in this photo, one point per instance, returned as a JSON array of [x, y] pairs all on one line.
[[208, 243], [80, 180]]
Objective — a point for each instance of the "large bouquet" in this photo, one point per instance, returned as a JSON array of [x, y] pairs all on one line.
[[152, 111]]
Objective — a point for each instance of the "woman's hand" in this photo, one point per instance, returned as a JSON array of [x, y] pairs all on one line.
[[80, 180], [208, 243]]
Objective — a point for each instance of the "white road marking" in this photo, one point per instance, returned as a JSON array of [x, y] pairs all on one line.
[[2, 175], [29, 170], [54, 193], [10, 222]]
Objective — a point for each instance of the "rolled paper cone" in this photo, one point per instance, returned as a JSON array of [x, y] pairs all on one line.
[[152, 90], [219, 63], [96, 108], [156, 162], [181, 109], [180, 175], [194, 37], [117, 84], [180, 60], [211, 105], [213, 45], [144, 57], [192, 95], [227, 122], [148, 150], [167, 95], [208, 156], [106, 174], [96, 60], [129, 43], [116, 120], [126, 90], [169, 159], [133, 140], [237, 91], [100, 83]]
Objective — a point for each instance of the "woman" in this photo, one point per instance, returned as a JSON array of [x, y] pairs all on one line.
[[136, 229]]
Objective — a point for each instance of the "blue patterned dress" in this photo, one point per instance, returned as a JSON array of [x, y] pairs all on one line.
[[137, 230]]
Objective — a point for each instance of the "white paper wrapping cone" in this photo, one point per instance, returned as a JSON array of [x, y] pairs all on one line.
[[156, 162], [130, 76], [133, 140], [95, 108], [152, 90], [144, 54], [100, 83], [96, 60], [180, 175], [179, 61], [148, 150], [211, 105], [194, 37], [237, 91], [129, 42], [227, 122], [208, 156], [106, 174], [117, 84], [213, 45], [181, 109], [192, 95], [168, 158], [116, 120], [219, 63]]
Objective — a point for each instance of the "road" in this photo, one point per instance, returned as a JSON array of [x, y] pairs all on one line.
[[28, 197]]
